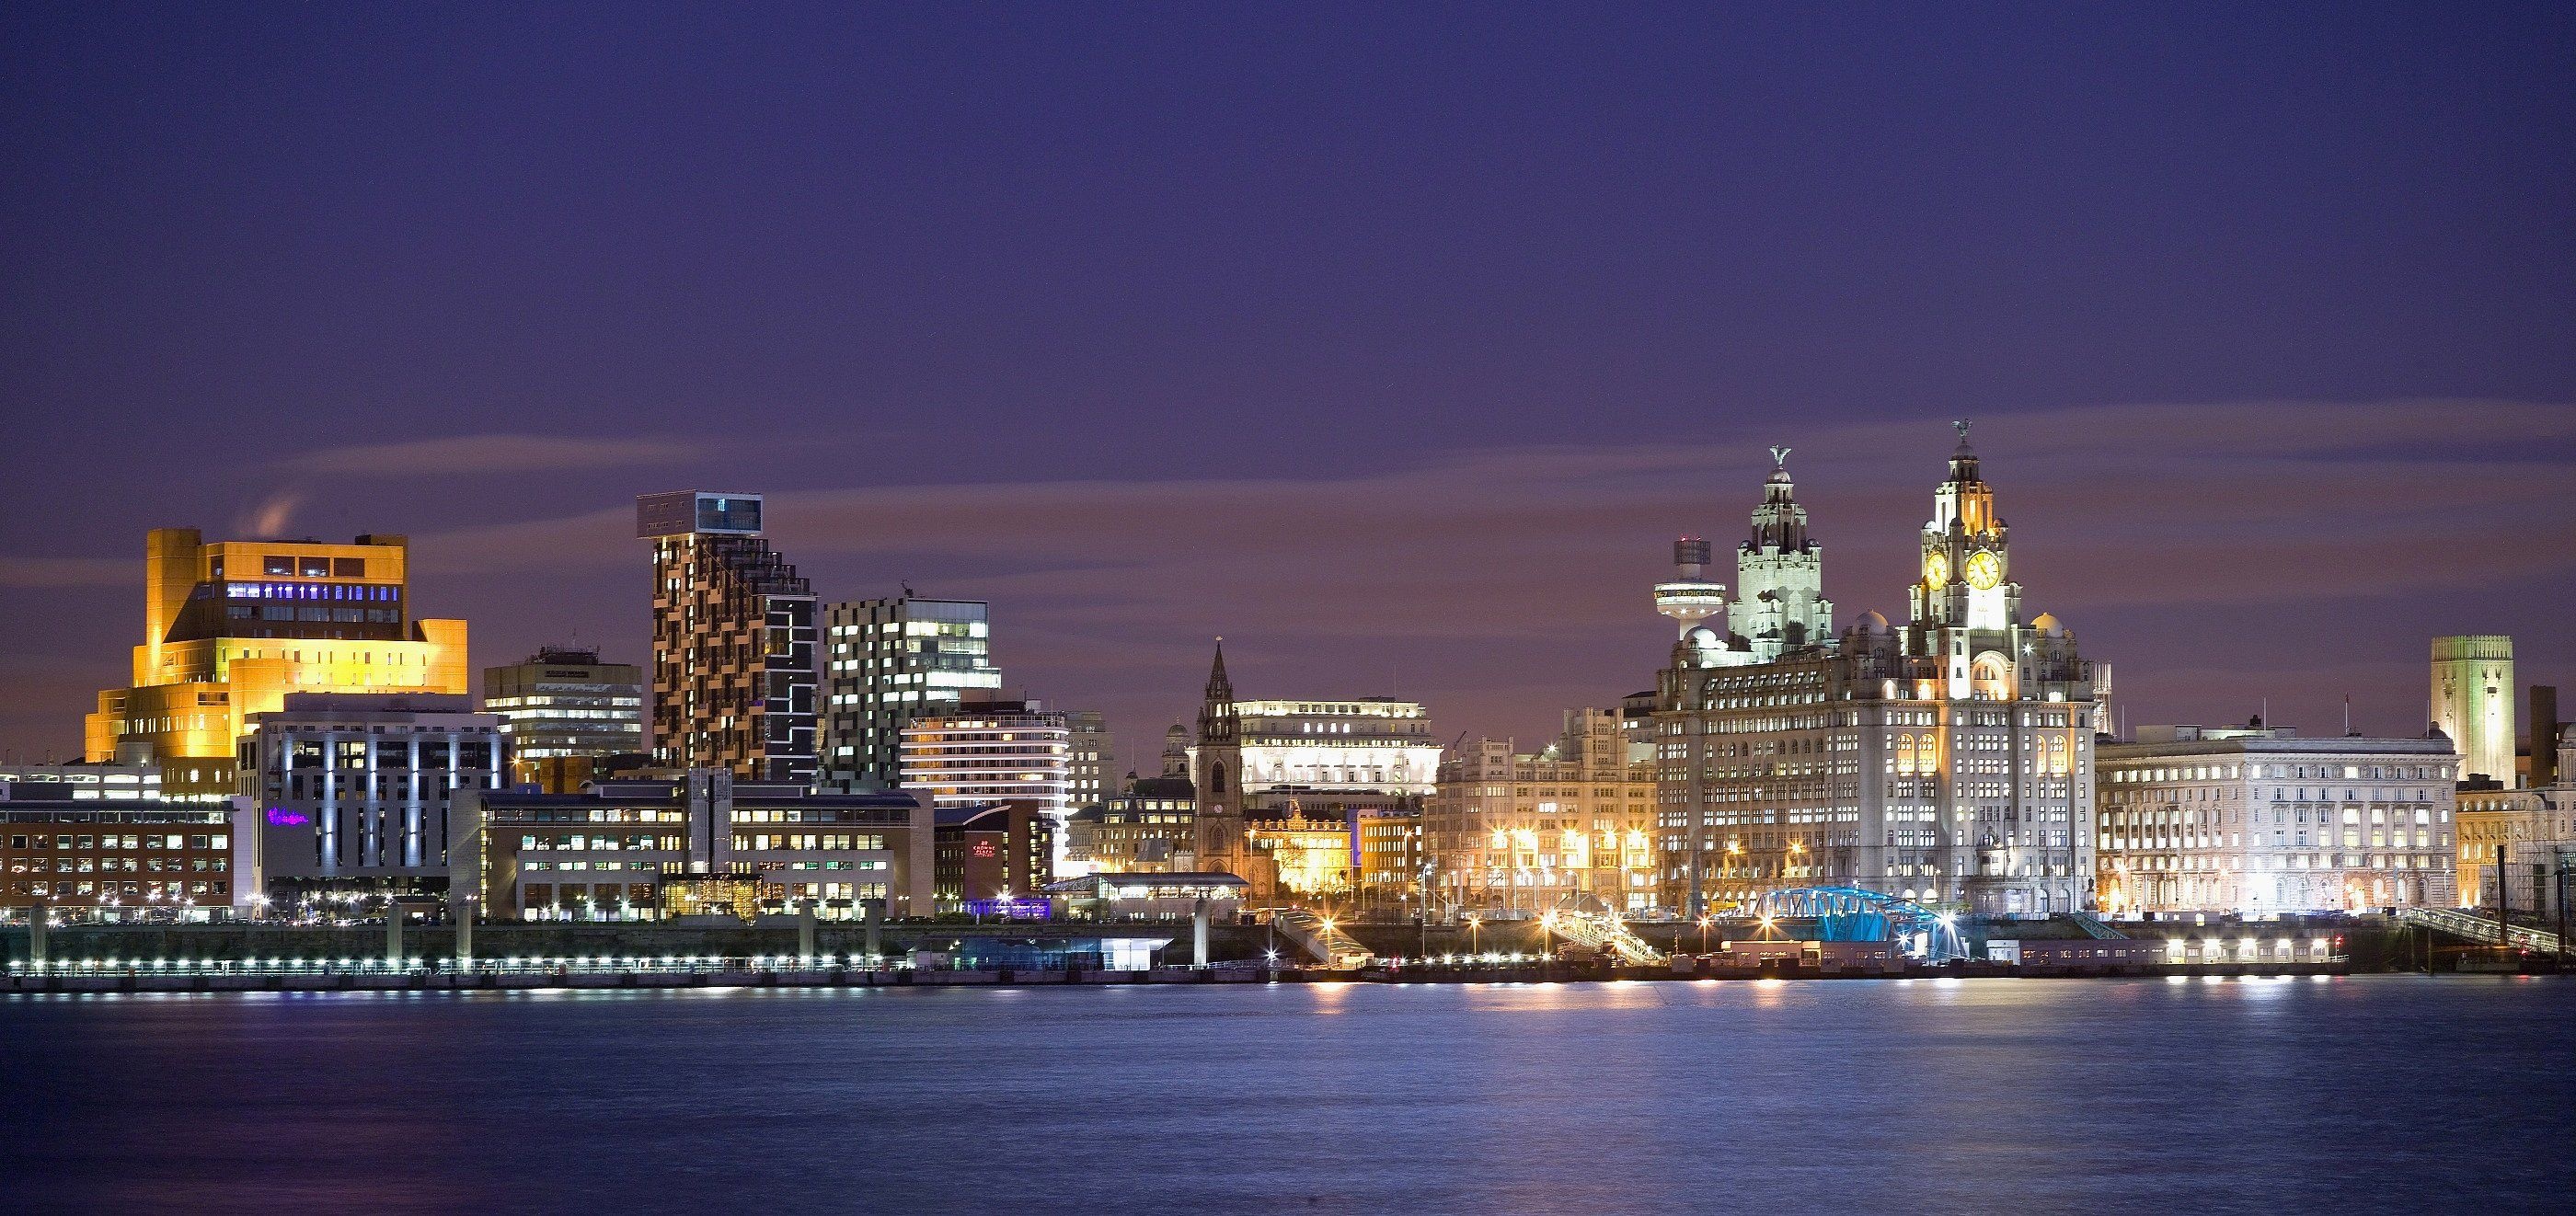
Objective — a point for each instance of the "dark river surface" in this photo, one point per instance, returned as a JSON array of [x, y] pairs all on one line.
[[2382, 1093]]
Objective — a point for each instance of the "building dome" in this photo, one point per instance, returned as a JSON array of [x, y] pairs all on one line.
[[2049, 625], [1873, 622], [1701, 637]]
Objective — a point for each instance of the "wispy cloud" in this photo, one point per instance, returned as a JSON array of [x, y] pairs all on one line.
[[472, 454], [69, 572], [2113, 505]]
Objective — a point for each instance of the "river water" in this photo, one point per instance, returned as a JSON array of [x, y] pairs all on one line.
[[2380, 1093]]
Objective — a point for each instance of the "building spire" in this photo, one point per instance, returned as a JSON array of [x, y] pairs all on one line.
[[1218, 687]]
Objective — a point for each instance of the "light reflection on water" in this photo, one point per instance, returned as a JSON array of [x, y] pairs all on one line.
[[1921, 1095]]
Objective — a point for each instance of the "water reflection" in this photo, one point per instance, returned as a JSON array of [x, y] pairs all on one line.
[[1928, 1095]]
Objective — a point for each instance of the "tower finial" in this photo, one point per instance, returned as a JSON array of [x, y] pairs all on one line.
[[1780, 456], [1962, 424]]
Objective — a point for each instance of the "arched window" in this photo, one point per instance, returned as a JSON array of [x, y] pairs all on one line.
[[1991, 677], [1216, 778]]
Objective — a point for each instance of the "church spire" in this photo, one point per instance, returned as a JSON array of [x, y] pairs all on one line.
[[1218, 687]]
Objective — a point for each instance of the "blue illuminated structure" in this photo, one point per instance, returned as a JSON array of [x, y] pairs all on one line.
[[1854, 914]]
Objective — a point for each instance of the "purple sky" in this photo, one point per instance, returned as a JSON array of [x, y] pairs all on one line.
[[1395, 346]]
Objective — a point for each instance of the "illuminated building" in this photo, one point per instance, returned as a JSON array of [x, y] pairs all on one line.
[[1005, 851], [984, 752], [2255, 819], [1948, 761], [355, 791], [734, 664], [1299, 856], [2530, 833], [2473, 702], [563, 711], [1150, 828], [94, 858], [1571, 826], [1112, 896], [230, 628], [1364, 743], [1386, 847], [134, 778], [1092, 759], [888, 662], [645, 850], [1779, 574]]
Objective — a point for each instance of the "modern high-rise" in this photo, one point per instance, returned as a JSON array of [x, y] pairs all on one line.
[[1948, 761], [563, 710], [230, 628], [888, 662], [989, 751], [1093, 762], [2256, 820], [735, 669], [2473, 702], [355, 789]]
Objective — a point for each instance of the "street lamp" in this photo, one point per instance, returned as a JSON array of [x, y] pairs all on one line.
[[1475, 938], [1703, 934]]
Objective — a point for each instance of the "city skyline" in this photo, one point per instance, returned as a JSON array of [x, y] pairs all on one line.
[[1069, 637], [1400, 370]]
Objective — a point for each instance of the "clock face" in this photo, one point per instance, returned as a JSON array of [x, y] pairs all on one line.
[[1984, 570], [1936, 569]]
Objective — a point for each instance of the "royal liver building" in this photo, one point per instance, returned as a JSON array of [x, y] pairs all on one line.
[[1948, 760]]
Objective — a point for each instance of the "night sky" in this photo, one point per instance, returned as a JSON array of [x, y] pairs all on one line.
[[1394, 343]]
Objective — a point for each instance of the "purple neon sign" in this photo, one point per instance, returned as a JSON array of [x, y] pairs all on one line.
[[283, 818]]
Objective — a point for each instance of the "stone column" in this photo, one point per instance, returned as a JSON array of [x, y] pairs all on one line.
[[1199, 932], [36, 926]]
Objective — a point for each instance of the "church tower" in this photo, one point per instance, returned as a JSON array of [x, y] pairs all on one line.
[[1216, 772], [1779, 574]]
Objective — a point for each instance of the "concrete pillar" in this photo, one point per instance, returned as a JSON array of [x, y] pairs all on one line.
[[870, 913], [36, 926], [1199, 932], [393, 934], [464, 913], [805, 932]]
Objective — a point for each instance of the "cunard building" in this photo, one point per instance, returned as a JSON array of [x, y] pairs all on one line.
[[1947, 760]]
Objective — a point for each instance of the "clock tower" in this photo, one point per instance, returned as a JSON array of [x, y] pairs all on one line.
[[1966, 554]]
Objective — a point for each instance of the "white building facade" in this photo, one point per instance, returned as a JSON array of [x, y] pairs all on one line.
[[1358, 745], [2255, 820], [979, 754], [1948, 761]]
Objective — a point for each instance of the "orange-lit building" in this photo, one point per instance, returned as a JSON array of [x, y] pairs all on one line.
[[230, 628]]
